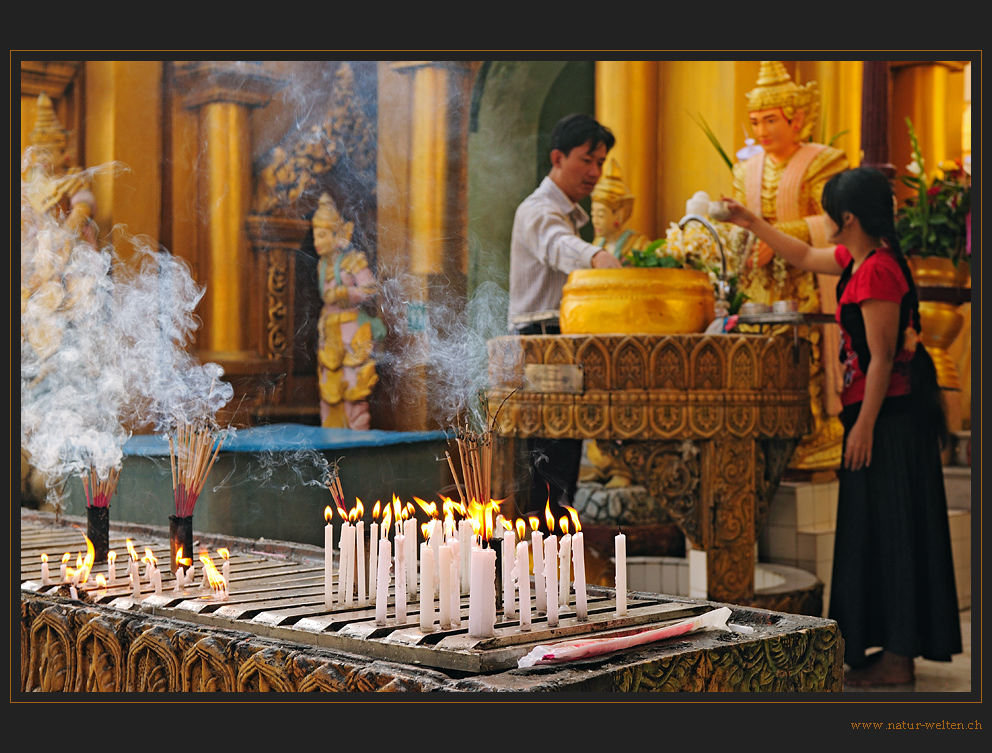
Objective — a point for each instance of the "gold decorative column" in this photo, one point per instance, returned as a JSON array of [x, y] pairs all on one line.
[[222, 94], [424, 108], [627, 103]]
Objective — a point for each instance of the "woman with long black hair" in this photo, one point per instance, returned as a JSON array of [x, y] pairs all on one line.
[[893, 576]]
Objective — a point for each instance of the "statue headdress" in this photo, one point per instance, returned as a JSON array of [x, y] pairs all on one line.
[[777, 89], [611, 190], [327, 214], [48, 132]]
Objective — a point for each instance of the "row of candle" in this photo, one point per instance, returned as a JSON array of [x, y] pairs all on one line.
[[185, 574], [449, 568]]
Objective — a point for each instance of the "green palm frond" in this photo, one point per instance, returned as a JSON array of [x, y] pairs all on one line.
[[701, 122]]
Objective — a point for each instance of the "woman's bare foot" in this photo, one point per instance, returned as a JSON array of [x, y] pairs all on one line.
[[888, 669]]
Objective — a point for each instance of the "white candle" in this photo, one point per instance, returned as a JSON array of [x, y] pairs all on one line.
[[343, 543], [328, 560], [111, 567], [426, 588], [156, 580], [509, 554], [399, 568], [482, 594], [135, 583], [564, 569], [349, 565], [465, 551], [410, 555], [444, 562], [620, 555], [62, 570], [180, 578], [360, 563], [73, 595], [436, 537], [579, 565], [45, 578], [373, 558], [226, 573], [522, 572], [382, 582], [455, 598], [190, 575], [551, 578], [541, 595]]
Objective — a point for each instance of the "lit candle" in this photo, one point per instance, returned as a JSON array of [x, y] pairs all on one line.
[[455, 599], [180, 578], [541, 594], [62, 569], [382, 582], [551, 578], [620, 555], [156, 579], [328, 559], [373, 556], [522, 572], [346, 530], [410, 555], [564, 565], [579, 565], [399, 569], [436, 537], [482, 594], [465, 554], [426, 588], [226, 568], [190, 574], [360, 563], [509, 554], [135, 582], [111, 567], [348, 556], [45, 579], [444, 592]]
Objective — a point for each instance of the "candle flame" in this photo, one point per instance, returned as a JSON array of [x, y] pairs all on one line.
[[573, 513], [130, 549], [535, 522], [79, 560], [375, 510], [184, 561], [563, 522], [360, 507], [426, 528], [65, 558], [353, 515], [507, 525], [328, 514], [111, 556], [214, 578], [223, 553], [428, 507], [521, 528], [90, 554], [149, 558], [549, 516], [101, 582], [44, 557], [387, 518]]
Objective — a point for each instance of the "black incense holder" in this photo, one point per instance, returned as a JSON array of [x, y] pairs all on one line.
[[180, 535], [98, 532]]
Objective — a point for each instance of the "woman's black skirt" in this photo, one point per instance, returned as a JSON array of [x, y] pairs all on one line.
[[893, 576]]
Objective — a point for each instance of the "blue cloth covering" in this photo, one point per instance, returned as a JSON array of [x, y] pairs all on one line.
[[290, 438]]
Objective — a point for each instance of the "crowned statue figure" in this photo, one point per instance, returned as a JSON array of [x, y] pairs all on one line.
[[346, 336], [784, 184], [612, 204]]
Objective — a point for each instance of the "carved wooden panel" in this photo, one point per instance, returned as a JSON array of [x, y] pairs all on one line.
[[206, 667], [558, 415], [100, 658], [630, 365], [53, 652], [592, 353], [669, 365]]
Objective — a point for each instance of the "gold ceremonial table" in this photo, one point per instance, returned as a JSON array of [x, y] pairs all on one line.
[[706, 423]]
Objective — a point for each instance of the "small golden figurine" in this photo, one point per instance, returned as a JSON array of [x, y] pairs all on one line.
[[612, 204]]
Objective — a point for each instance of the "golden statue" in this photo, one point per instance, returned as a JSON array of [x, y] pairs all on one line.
[[784, 184], [345, 333], [612, 204]]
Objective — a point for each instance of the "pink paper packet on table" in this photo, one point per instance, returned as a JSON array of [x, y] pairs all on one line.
[[570, 650]]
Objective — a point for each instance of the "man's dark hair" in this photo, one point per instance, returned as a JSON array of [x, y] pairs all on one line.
[[578, 128]]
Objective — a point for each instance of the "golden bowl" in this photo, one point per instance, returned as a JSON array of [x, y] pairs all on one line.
[[636, 300]]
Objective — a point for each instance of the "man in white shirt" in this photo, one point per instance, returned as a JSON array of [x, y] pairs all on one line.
[[545, 247]]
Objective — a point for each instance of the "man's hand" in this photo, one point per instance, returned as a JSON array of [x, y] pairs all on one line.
[[605, 260]]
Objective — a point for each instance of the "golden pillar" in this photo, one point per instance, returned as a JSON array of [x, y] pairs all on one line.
[[222, 95], [627, 103], [422, 183]]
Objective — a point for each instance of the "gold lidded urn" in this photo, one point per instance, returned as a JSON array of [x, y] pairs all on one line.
[[940, 321], [637, 300]]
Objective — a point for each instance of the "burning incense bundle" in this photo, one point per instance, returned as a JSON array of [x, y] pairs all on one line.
[[193, 452], [99, 490]]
